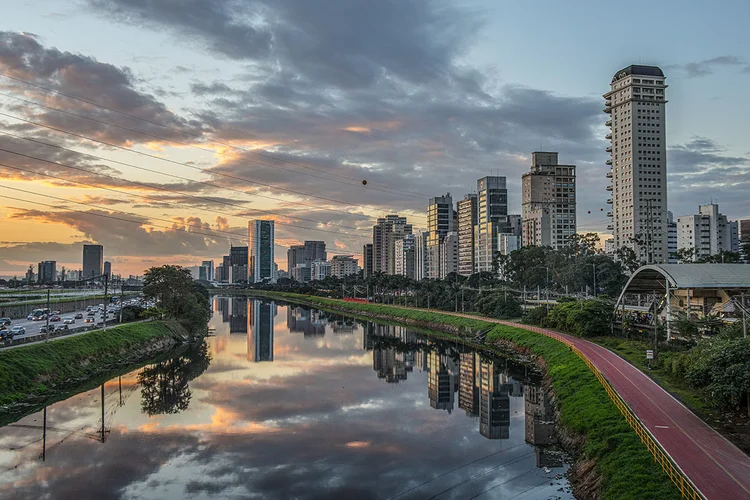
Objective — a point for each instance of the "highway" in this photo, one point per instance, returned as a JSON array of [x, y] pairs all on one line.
[[33, 327]]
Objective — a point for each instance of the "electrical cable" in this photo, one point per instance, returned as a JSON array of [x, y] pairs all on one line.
[[148, 186], [181, 143], [198, 136]]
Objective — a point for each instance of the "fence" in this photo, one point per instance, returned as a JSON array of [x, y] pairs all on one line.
[[675, 474]]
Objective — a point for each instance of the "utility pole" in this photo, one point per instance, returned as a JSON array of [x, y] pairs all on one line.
[[669, 313], [106, 285], [463, 307], [744, 331], [102, 413], [524, 299], [44, 436], [46, 330], [594, 279], [546, 286]]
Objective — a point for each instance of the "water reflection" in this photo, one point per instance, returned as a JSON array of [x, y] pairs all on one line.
[[304, 405]]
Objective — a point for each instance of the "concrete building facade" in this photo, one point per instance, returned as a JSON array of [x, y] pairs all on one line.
[[449, 254], [261, 241], [439, 224], [708, 232], [548, 202], [467, 219], [367, 258], [385, 233], [344, 265], [93, 261], [420, 255], [405, 249], [492, 211], [638, 176]]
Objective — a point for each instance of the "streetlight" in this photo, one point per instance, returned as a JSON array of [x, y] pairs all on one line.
[[594, 265]]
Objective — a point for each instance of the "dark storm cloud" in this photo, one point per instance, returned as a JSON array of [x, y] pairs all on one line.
[[23, 56], [707, 66]]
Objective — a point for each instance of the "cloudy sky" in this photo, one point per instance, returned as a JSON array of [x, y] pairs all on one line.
[[159, 128]]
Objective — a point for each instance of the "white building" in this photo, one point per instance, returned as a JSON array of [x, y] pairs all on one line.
[[671, 238], [319, 270], [508, 242], [449, 254], [343, 265], [420, 255], [707, 233], [405, 256], [439, 224], [609, 247], [492, 212], [638, 189], [548, 202]]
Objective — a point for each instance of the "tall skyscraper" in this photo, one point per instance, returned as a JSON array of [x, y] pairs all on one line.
[[492, 211], [405, 256], [47, 272], [261, 240], [238, 258], [368, 259], [467, 219], [385, 233], [671, 239], [637, 108], [706, 233], [548, 202], [448, 254], [439, 223], [315, 250], [420, 255], [108, 270], [209, 266], [226, 261], [93, 261]]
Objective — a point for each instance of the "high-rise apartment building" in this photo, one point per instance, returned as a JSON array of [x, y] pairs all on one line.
[[707, 233], [208, 265], [367, 257], [261, 241], [344, 265], [226, 263], [47, 272], [420, 255], [93, 261], [108, 270], [734, 233], [467, 219], [320, 270], [449, 254], [238, 258], [492, 211], [637, 107], [439, 224], [548, 202], [385, 233], [671, 239], [405, 256]]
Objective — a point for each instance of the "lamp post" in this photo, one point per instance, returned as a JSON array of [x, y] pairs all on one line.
[[594, 265]]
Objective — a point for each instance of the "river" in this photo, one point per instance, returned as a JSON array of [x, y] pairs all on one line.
[[288, 402]]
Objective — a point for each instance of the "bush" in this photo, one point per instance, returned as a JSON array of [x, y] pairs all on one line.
[[535, 316], [583, 318], [498, 305]]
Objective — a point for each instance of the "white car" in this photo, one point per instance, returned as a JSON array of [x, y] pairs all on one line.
[[69, 321]]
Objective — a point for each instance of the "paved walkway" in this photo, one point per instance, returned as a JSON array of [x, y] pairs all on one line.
[[716, 467]]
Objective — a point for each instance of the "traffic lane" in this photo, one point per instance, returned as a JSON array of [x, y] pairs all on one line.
[[34, 327]]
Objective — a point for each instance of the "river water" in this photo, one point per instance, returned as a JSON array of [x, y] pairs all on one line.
[[287, 402]]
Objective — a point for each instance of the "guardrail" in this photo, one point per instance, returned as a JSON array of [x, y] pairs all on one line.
[[686, 487]]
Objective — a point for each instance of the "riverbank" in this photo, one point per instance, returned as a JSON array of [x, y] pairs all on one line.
[[610, 460], [33, 373]]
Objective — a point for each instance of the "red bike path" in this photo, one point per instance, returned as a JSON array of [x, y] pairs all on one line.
[[717, 468]]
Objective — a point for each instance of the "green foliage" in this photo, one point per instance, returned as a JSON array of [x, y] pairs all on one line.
[[535, 316], [178, 295], [584, 318], [721, 367], [131, 313], [41, 369], [499, 305]]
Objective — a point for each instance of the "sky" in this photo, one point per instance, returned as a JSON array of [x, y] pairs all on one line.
[[160, 128]]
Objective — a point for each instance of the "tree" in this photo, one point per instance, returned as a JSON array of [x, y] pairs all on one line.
[[584, 244], [178, 295], [685, 255], [723, 257], [628, 258]]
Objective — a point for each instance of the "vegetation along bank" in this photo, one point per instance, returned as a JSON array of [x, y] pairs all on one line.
[[610, 460]]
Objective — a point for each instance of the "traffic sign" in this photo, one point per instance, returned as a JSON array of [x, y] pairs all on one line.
[[649, 354]]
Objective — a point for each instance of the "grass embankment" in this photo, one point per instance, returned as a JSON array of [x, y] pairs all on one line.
[[36, 371], [625, 468]]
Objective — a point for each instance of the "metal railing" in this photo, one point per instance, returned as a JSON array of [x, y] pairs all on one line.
[[686, 487]]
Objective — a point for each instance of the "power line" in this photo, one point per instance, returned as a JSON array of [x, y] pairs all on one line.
[[203, 170], [198, 136], [237, 236], [151, 186], [186, 144]]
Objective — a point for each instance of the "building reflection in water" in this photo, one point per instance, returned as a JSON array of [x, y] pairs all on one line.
[[305, 321], [238, 316], [260, 334], [540, 426]]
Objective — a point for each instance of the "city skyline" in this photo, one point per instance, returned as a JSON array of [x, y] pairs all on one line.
[[499, 106]]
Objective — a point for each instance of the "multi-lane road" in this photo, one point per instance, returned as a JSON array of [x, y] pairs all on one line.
[[33, 327]]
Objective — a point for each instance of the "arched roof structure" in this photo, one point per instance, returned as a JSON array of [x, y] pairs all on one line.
[[654, 277]]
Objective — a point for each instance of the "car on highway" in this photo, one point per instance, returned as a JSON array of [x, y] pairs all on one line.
[[90, 313], [5, 334], [56, 313], [90, 319], [54, 318], [79, 316], [60, 327], [5, 321], [43, 329], [69, 321], [18, 330]]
